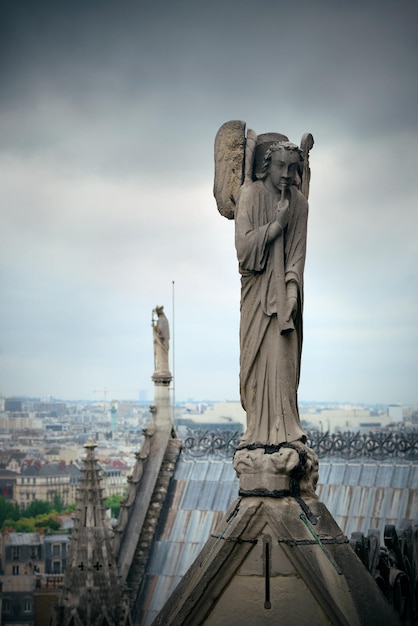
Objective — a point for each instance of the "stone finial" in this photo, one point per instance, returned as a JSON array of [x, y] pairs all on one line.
[[90, 445]]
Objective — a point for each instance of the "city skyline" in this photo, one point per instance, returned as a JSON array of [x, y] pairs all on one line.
[[108, 118]]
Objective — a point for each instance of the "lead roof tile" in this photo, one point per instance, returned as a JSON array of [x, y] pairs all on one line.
[[401, 475], [352, 473], [215, 470], [224, 495], [228, 473], [183, 469], [191, 495], [414, 477], [368, 475], [207, 495], [384, 475], [324, 470], [336, 473]]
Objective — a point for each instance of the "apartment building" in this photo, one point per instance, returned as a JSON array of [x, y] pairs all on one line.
[[44, 482], [30, 563]]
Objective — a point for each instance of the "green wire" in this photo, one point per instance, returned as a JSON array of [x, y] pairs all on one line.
[[319, 542]]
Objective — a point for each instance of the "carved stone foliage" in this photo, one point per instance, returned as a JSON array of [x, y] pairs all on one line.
[[350, 445], [394, 566]]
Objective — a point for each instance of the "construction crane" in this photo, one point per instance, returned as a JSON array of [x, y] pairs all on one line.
[[105, 391]]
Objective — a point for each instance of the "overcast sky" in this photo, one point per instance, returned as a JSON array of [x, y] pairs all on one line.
[[108, 114]]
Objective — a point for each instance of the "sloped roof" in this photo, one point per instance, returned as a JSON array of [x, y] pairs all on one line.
[[57, 537], [23, 539], [52, 469], [360, 495], [363, 495], [5, 473], [73, 470], [30, 470]]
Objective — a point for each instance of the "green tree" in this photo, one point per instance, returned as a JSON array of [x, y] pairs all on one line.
[[58, 503], [37, 507], [8, 510], [39, 514], [47, 522], [25, 525], [8, 523], [113, 503]]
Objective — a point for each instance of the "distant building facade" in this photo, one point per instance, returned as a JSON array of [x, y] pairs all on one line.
[[29, 562], [113, 478], [21, 554], [44, 482], [8, 481]]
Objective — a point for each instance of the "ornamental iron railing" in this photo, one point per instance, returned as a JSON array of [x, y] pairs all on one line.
[[381, 445], [203, 443]]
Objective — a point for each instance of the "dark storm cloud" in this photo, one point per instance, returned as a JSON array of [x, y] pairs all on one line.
[[112, 82]]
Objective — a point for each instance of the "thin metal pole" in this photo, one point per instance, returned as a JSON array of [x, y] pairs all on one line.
[[174, 362]]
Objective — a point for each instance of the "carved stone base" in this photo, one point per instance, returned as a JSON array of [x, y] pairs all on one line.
[[162, 378], [276, 470]]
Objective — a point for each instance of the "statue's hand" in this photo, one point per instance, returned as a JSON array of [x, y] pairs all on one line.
[[292, 300], [292, 308], [282, 215]]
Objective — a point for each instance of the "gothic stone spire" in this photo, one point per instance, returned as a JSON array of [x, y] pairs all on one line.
[[92, 594]]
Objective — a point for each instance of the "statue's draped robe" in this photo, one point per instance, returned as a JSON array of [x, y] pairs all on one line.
[[161, 343], [270, 344]]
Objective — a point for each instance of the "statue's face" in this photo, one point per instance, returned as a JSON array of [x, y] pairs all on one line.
[[283, 168]]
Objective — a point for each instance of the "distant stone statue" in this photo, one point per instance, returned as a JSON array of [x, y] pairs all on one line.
[[161, 335], [259, 182]]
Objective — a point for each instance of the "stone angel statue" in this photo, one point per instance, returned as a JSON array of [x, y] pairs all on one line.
[[262, 182]]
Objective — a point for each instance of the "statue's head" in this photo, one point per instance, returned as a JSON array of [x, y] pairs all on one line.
[[159, 310], [263, 144], [282, 163]]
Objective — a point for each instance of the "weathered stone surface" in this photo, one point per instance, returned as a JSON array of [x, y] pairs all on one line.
[[229, 163], [161, 335], [129, 530], [270, 211], [270, 237], [277, 557], [308, 575], [293, 467], [92, 593]]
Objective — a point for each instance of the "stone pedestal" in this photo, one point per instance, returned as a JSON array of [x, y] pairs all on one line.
[[276, 470], [161, 409], [277, 556], [277, 560]]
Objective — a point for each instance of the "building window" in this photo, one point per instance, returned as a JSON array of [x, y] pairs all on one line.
[[7, 605], [34, 552], [56, 549], [27, 605], [56, 567], [16, 553], [15, 570]]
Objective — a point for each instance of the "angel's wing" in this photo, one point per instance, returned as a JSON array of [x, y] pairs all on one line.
[[229, 166], [306, 145]]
